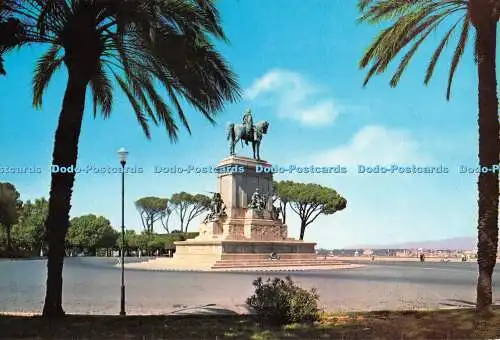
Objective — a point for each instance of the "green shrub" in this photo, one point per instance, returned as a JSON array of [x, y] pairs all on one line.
[[282, 302], [192, 234]]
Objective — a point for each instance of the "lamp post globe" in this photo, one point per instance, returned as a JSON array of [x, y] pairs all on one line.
[[123, 153]]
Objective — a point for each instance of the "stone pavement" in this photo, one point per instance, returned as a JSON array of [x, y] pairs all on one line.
[[173, 264]]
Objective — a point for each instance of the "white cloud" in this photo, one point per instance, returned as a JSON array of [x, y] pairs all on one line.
[[295, 98], [384, 208], [375, 144]]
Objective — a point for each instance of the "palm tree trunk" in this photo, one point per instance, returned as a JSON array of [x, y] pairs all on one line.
[[64, 155], [489, 148]]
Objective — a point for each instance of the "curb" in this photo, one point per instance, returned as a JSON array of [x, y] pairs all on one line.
[[247, 270]]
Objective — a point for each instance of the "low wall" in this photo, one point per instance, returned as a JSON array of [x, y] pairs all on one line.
[[395, 258]]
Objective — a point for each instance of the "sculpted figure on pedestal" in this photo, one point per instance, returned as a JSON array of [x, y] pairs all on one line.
[[217, 208], [275, 213], [258, 201]]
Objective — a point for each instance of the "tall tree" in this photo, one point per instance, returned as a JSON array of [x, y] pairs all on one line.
[[141, 44], [281, 195], [10, 206], [188, 207], [130, 240], [151, 210], [165, 218], [30, 231], [413, 22], [91, 232], [309, 201]]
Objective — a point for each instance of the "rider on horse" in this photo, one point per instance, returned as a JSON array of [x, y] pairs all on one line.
[[248, 123]]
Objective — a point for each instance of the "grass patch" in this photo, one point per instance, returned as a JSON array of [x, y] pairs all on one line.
[[443, 324]]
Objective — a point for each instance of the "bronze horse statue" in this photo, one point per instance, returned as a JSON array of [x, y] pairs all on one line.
[[237, 132]]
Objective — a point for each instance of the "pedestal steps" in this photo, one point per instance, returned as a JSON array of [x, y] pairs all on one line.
[[274, 263], [264, 256]]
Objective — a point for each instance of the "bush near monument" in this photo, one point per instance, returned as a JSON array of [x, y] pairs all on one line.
[[282, 302], [307, 200], [151, 243]]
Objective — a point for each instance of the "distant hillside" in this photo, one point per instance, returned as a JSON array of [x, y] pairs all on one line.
[[458, 243]]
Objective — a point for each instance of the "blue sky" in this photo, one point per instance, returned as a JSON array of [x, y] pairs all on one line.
[[298, 65]]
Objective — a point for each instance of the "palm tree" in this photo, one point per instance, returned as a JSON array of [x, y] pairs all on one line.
[[140, 44], [413, 21], [11, 31]]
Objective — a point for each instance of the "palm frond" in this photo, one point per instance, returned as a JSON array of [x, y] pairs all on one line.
[[141, 118], [406, 59], [414, 21], [51, 15], [163, 112], [136, 74], [459, 51], [213, 19], [394, 38], [102, 92], [178, 107], [389, 9], [398, 38], [437, 54], [139, 43], [44, 70], [2, 69]]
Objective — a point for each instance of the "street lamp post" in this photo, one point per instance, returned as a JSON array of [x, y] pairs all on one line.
[[123, 160]]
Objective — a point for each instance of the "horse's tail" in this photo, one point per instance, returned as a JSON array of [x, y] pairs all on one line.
[[230, 131]]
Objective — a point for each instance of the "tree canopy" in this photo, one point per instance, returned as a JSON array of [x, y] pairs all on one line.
[[10, 206], [151, 210], [91, 232], [281, 195], [29, 232], [188, 207], [309, 201]]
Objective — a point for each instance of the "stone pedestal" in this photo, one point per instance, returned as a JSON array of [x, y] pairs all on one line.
[[236, 188], [243, 233], [260, 227], [209, 230]]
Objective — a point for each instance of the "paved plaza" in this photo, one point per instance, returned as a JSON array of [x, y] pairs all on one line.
[[91, 285]]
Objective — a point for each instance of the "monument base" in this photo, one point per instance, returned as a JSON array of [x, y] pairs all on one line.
[[247, 232], [245, 253]]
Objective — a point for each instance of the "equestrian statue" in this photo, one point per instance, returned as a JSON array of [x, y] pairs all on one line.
[[247, 132]]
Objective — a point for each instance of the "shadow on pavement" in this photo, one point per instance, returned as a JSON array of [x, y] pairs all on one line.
[[209, 309]]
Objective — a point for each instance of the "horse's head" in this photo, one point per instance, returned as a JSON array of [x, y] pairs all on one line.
[[263, 126]]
